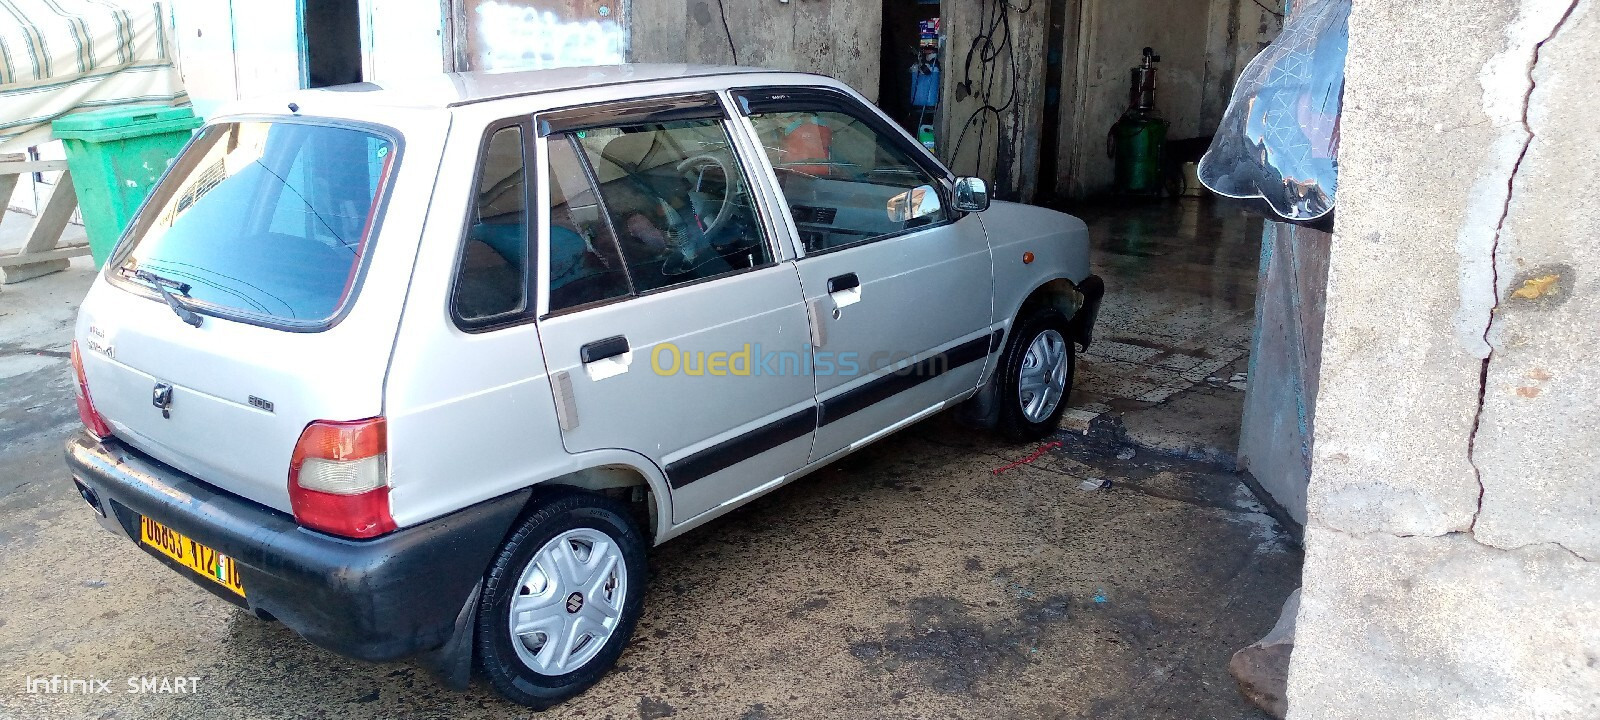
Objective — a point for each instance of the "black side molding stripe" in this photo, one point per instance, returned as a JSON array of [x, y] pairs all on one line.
[[738, 449], [735, 450], [848, 403]]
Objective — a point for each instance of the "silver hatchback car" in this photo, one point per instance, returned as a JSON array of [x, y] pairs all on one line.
[[423, 372]]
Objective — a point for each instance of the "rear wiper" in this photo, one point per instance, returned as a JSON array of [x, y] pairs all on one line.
[[160, 284]]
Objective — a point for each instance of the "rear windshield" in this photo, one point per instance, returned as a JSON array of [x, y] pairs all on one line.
[[264, 219]]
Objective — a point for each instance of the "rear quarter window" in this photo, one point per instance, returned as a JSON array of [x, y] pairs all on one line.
[[266, 221]]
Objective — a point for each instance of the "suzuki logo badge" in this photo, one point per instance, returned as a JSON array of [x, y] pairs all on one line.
[[161, 397]]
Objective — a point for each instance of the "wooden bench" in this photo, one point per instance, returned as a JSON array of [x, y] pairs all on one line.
[[41, 254]]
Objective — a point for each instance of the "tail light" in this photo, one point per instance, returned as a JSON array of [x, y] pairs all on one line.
[[86, 412], [339, 478]]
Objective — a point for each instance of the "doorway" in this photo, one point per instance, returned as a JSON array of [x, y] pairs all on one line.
[[331, 31], [910, 66]]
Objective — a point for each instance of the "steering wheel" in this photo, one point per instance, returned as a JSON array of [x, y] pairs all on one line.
[[694, 168]]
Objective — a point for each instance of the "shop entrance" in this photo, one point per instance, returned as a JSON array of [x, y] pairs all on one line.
[[909, 86]]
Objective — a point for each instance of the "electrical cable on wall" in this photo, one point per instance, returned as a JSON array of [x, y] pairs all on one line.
[[983, 82], [1269, 10], [728, 31]]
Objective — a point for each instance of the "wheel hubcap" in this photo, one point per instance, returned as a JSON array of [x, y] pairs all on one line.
[[569, 601], [1043, 380]]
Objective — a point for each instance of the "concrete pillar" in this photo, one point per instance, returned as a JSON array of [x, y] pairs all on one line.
[[1454, 506]]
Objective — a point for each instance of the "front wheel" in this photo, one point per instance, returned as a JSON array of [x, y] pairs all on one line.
[[1036, 376], [561, 599]]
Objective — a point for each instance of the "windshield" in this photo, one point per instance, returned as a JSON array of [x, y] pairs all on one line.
[[265, 219]]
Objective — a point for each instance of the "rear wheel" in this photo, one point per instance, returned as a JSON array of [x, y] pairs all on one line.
[[561, 599], [1036, 376]]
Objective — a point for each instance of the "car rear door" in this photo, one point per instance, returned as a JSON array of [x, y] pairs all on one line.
[[899, 285], [661, 292]]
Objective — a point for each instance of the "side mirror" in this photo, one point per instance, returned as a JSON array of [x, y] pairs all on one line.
[[972, 195], [914, 203]]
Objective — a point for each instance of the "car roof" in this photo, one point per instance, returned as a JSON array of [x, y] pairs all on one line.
[[447, 90]]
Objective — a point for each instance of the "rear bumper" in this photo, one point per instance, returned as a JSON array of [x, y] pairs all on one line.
[[1092, 288], [380, 599]]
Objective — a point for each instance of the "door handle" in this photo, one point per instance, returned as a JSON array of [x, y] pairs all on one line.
[[602, 349], [843, 282]]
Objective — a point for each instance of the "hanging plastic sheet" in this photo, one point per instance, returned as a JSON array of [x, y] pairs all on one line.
[[63, 56], [1278, 144]]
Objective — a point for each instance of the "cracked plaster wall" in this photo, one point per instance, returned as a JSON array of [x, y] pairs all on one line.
[[1454, 506], [834, 37]]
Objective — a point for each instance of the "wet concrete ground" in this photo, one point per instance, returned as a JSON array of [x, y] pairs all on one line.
[[1172, 346], [909, 580]]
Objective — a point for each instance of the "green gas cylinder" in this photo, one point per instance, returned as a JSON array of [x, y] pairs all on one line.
[[1136, 141]]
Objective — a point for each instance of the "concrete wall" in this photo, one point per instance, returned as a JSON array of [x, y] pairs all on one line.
[[1203, 44], [531, 34], [995, 94], [994, 67], [833, 37], [994, 109], [402, 39], [999, 103], [230, 51], [1454, 509], [1238, 31]]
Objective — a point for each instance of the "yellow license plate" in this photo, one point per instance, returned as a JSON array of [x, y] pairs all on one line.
[[220, 568]]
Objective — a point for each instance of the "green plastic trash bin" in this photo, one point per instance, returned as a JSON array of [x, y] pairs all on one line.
[[116, 155]]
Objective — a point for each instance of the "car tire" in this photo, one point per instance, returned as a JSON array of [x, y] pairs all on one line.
[[1039, 336], [574, 568]]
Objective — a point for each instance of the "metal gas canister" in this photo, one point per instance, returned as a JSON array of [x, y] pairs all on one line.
[[1138, 139]]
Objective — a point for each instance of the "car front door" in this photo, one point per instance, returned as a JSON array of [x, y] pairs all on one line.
[[899, 285], [662, 287]]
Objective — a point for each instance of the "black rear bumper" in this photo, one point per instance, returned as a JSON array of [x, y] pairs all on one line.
[[380, 599]]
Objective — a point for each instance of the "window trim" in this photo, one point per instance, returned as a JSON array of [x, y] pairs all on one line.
[[525, 312], [804, 98], [542, 232], [593, 178], [758, 175], [699, 105], [717, 112], [140, 223]]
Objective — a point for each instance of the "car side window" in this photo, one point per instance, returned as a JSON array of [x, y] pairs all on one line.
[[585, 265], [676, 199], [845, 182], [491, 277]]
